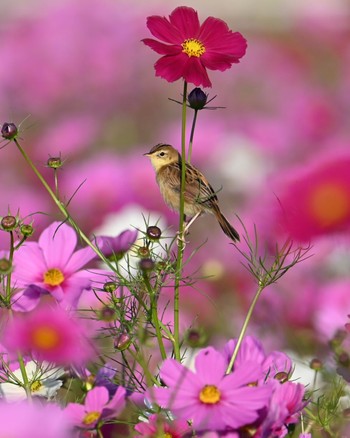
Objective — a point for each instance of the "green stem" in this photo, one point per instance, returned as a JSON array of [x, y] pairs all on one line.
[[155, 318], [9, 275], [244, 328], [189, 156], [180, 248], [61, 206]]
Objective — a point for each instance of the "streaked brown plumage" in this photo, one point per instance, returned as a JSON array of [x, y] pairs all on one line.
[[199, 196]]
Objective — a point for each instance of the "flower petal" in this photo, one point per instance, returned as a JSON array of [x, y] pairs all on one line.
[[75, 413], [29, 265], [27, 300], [79, 259], [171, 68], [96, 399], [186, 20], [161, 28], [57, 242], [210, 366], [161, 48], [195, 73]]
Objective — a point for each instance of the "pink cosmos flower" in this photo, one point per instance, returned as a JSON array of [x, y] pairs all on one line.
[[285, 407], [251, 350], [190, 48], [31, 419], [48, 334], [208, 397], [315, 200], [97, 407], [50, 266], [158, 425]]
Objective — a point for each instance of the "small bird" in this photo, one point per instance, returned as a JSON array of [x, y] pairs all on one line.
[[199, 196]]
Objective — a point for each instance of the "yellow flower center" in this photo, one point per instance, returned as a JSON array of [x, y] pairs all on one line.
[[329, 204], [193, 47], [53, 277], [91, 417], [36, 386], [210, 395], [45, 338]]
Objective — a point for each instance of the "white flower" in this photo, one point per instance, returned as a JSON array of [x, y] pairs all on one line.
[[43, 381]]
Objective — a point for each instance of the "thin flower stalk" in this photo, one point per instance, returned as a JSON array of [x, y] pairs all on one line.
[[181, 246]]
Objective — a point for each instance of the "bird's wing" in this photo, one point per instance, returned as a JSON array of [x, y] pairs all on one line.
[[197, 187]]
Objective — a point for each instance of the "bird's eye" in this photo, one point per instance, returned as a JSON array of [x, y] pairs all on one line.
[[161, 154]]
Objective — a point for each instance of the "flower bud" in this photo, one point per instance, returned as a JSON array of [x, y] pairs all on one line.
[[54, 162], [316, 364], [5, 266], [153, 232], [197, 99], [146, 265], [27, 230], [143, 252], [122, 342], [282, 376], [9, 131], [195, 338], [110, 286], [9, 223], [107, 314]]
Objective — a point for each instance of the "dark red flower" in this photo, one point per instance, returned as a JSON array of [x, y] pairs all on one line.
[[190, 48]]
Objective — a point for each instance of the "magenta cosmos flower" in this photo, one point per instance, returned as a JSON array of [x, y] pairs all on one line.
[[207, 397], [315, 199], [49, 334], [97, 407], [190, 48], [50, 266]]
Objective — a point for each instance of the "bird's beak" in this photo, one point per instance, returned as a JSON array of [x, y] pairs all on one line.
[[147, 154]]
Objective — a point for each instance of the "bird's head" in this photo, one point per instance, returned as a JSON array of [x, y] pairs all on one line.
[[162, 155]]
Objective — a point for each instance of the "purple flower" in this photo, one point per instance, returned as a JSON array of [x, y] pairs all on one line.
[[208, 397], [97, 407], [50, 266], [115, 247]]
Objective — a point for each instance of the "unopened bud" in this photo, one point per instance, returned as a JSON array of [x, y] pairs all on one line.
[[316, 364], [282, 376], [9, 223], [195, 338], [54, 162], [107, 314], [5, 266], [27, 230], [153, 232], [146, 265], [197, 99], [143, 252], [110, 286], [9, 131], [122, 342]]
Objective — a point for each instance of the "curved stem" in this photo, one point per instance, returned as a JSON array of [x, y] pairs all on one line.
[[61, 206], [189, 156], [181, 231], [244, 328]]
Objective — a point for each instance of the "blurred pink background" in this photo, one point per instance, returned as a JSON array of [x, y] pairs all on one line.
[[76, 78]]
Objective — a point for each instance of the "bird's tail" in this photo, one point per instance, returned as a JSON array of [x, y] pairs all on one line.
[[225, 225]]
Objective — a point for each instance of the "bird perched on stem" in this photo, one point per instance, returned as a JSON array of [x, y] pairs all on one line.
[[199, 196]]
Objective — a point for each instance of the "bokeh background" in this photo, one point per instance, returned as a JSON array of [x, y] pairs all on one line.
[[76, 78]]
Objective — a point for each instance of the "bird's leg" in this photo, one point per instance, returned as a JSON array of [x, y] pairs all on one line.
[[181, 237], [191, 222]]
